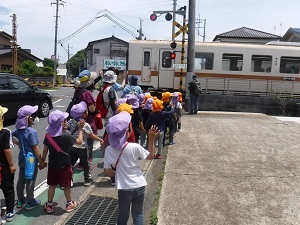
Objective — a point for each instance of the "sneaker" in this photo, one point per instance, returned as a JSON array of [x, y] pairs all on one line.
[[20, 204], [30, 206], [87, 182], [158, 156], [172, 143], [79, 167], [3, 211], [112, 181], [71, 206], [10, 216], [49, 209]]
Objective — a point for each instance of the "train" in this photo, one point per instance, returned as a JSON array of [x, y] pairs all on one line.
[[222, 68]]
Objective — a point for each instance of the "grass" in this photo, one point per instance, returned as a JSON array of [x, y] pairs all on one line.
[[153, 215]]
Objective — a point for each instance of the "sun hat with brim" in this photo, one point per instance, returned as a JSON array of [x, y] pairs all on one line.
[[141, 98], [133, 100], [87, 78], [133, 80], [78, 110], [116, 130], [157, 105], [55, 120], [175, 98], [109, 77], [166, 96], [149, 104], [124, 107], [3, 110], [121, 101], [23, 113]]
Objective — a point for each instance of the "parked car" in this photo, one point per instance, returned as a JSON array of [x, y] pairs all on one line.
[[16, 92]]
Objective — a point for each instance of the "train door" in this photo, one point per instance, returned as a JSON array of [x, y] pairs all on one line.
[[146, 67], [165, 71]]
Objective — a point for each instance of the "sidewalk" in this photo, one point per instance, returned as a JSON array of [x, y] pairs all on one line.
[[232, 168]]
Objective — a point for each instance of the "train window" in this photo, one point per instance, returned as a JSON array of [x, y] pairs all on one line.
[[204, 60], [261, 63], [146, 58], [232, 62], [289, 65], [166, 59]]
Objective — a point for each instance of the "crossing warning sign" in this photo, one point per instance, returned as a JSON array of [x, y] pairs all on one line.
[[181, 29]]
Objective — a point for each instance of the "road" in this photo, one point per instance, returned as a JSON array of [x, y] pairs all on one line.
[[61, 99]]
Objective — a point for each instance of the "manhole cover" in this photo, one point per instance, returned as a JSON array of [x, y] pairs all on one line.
[[96, 210]]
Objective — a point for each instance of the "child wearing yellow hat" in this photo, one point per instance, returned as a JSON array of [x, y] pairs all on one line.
[[158, 118], [169, 124]]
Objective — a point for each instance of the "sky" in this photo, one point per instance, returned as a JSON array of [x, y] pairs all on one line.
[[83, 21]]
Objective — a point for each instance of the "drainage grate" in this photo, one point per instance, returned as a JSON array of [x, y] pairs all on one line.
[[96, 210]]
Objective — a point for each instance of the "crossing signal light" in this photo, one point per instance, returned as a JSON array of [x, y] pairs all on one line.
[[153, 17], [173, 45], [168, 16], [173, 55]]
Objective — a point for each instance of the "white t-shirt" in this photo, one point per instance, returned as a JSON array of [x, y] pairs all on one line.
[[129, 174]]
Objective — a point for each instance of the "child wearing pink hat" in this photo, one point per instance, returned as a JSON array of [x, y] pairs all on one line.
[[124, 157], [59, 164], [28, 142]]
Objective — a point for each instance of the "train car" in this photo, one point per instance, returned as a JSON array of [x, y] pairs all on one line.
[[226, 68]]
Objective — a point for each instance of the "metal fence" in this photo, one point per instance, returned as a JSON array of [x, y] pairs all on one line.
[[233, 86]]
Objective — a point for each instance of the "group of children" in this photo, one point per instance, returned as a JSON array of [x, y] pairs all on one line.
[[147, 121]]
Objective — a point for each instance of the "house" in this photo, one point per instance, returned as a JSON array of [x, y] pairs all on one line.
[[6, 53], [292, 35], [247, 36], [105, 53]]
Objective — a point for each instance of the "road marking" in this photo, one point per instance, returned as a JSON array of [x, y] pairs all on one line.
[[57, 101]]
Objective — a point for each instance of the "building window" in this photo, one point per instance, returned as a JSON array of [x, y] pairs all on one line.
[[166, 59], [96, 50], [261, 63], [204, 60], [289, 65], [232, 62], [146, 58]]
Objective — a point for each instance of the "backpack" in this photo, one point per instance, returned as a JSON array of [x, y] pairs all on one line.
[[133, 90], [195, 87], [100, 105]]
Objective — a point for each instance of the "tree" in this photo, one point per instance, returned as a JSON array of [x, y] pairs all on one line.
[[48, 62], [28, 67], [75, 63]]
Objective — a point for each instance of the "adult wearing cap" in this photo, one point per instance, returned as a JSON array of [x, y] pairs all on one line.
[[195, 91], [59, 163], [132, 87], [84, 92], [8, 168], [28, 142], [124, 157]]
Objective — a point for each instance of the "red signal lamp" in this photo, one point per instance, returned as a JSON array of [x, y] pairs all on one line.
[[173, 55], [153, 17]]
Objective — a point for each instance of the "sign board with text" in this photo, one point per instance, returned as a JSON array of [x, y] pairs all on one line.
[[180, 66], [120, 64]]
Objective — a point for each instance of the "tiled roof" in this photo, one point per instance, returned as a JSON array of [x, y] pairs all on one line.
[[295, 30], [4, 51], [245, 32]]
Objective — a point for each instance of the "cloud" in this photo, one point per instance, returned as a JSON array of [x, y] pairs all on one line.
[[4, 12]]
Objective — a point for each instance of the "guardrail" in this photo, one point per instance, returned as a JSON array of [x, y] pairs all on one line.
[[233, 86]]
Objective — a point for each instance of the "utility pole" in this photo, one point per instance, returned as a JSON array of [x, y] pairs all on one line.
[[140, 31], [191, 52], [198, 22], [174, 19], [14, 44], [55, 39]]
